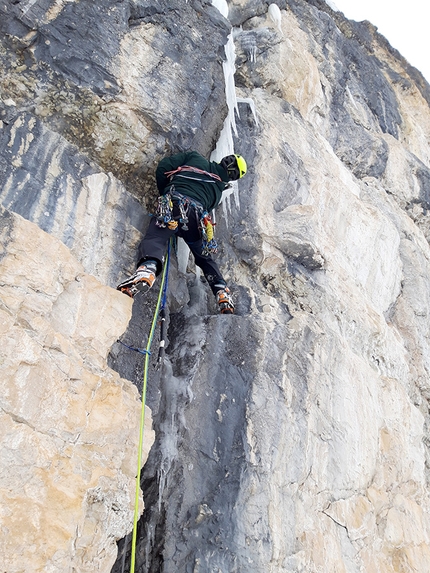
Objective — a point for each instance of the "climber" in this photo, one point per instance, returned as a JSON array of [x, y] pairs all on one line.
[[190, 186]]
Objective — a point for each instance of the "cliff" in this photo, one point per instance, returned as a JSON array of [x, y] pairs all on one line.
[[290, 437]]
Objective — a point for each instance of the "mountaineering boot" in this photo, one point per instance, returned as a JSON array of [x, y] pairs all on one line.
[[225, 301], [141, 281]]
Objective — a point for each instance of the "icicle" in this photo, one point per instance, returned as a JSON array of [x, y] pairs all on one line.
[[249, 45], [251, 104], [161, 478], [225, 145]]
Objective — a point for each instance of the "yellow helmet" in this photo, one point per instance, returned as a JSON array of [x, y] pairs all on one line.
[[241, 163], [235, 165]]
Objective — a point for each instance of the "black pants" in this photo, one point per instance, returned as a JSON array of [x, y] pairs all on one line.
[[154, 246]]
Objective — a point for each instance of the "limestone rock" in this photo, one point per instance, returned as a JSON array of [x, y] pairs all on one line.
[[108, 76], [292, 437], [69, 424]]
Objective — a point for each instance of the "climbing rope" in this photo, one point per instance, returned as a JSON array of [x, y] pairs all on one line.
[[147, 352]]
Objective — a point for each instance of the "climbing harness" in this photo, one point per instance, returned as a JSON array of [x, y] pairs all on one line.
[[161, 301], [165, 218]]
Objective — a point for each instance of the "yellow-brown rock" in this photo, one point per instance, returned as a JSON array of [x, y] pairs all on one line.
[[69, 425]]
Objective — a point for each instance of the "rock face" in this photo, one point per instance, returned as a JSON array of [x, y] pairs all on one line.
[[290, 437], [69, 424]]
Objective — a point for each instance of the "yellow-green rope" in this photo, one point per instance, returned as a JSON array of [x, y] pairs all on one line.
[[142, 416]]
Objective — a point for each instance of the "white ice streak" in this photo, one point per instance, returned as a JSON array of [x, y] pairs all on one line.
[[182, 254], [222, 7], [276, 16], [167, 430], [197, 306], [229, 69], [225, 145]]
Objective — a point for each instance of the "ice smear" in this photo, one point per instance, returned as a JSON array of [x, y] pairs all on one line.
[[169, 452], [225, 145], [198, 300], [198, 295], [275, 16], [222, 7], [253, 53], [182, 254], [150, 531], [168, 430], [229, 69]]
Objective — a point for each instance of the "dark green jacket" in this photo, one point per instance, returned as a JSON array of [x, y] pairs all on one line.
[[198, 186]]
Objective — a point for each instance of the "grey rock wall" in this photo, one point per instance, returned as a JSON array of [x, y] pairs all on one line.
[[84, 68], [292, 436]]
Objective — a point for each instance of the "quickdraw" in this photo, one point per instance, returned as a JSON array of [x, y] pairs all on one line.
[[164, 213]]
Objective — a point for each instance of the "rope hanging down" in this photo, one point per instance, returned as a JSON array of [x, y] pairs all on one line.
[[160, 304]]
